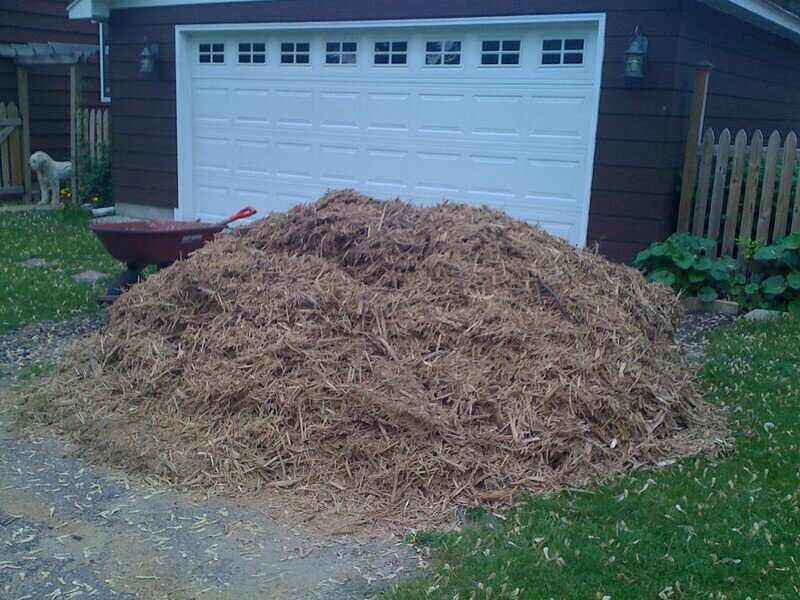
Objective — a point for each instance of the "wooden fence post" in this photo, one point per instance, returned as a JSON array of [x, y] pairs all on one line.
[[737, 178], [74, 103], [25, 114], [768, 188], [696, 117], [788, 167]]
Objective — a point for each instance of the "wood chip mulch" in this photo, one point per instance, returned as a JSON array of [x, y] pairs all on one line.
[[376, 361]]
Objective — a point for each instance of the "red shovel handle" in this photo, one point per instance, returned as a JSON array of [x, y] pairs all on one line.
[[247, 211]]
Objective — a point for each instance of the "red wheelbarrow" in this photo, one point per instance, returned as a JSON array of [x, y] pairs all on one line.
[[142, 243]]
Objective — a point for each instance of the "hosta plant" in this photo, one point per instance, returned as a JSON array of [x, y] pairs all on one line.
[[774, 282], [687, 264]]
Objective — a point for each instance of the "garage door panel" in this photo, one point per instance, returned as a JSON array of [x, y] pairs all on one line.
[[433, 173], [441, 113], [253, 157], [292, 109], [492, 175], [211, 104], [555, 182], [339, 164], [388, 112], [211, 199], [516, 138], [293, 160], [250, 105], [212, 152], [339, 111], [560, 118], [499, 115], [387, 170]]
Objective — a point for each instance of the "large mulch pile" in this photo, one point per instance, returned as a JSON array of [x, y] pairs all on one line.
[[380, 360]]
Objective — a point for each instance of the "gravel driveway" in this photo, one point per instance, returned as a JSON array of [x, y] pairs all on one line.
[[72, 530], [68, 530]]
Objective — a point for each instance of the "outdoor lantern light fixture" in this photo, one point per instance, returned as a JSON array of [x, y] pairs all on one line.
[[147, 59], [636, 56]]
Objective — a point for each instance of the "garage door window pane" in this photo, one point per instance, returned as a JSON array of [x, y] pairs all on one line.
[[391, 53], [562, 52], [295, 53], [551, 45], [446, 53], [252, 53], [341, 53], [501, 52], [211, 54], [551, 59], [573, 44]]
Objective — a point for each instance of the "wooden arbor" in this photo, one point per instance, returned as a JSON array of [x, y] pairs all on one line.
[[51, 53]]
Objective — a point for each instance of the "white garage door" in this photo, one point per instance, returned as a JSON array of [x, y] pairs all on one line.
[[496, 114]]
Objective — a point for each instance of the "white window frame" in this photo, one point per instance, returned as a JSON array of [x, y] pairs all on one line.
[[294, 53], [562, 52], [104, 62], [443, 53], [390, 53], [251, 53], [340, 53], [500, 52], [212, 53]]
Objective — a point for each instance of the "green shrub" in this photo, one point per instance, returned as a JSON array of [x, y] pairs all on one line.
[[686, 264], [769, 277], [94, 177], [774, 281]]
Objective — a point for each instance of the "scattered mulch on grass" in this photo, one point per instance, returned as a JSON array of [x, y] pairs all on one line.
[[42, 343], [693, 332], [379, 361]]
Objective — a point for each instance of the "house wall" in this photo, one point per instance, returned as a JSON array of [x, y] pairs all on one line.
[[26, 21], [755, 83], [639, 138]]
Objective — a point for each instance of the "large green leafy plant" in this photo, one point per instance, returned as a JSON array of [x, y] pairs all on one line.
[[775, 276], [687, 264]]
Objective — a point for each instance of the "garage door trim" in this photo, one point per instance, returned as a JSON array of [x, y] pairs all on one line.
[[183, 70]]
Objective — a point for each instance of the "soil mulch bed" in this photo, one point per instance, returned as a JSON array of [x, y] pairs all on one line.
[[376, 360]]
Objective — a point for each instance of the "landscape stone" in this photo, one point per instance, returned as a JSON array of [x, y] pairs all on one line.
[[33, 263], [89, 276], [760, 314]]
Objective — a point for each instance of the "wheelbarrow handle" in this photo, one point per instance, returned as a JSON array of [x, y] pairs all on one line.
[[246, 212]]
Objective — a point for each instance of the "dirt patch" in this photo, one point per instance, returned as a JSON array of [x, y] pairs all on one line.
[[69, 530], [378, 361]]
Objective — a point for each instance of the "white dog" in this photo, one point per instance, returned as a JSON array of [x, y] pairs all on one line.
[[50, 173]]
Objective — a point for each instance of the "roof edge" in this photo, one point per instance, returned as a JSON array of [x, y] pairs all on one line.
[[761, 13]]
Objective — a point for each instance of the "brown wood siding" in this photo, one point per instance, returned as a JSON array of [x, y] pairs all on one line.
[[639, 132], [38, 21], [755, 83]]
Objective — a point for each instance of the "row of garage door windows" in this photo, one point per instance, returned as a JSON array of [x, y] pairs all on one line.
[[555, 52]]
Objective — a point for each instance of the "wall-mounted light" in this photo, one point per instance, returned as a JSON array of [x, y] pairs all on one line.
[[636, 56], [147, 59]]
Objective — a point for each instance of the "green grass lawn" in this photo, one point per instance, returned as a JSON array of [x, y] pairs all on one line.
[[704, 528], [61, 238]]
